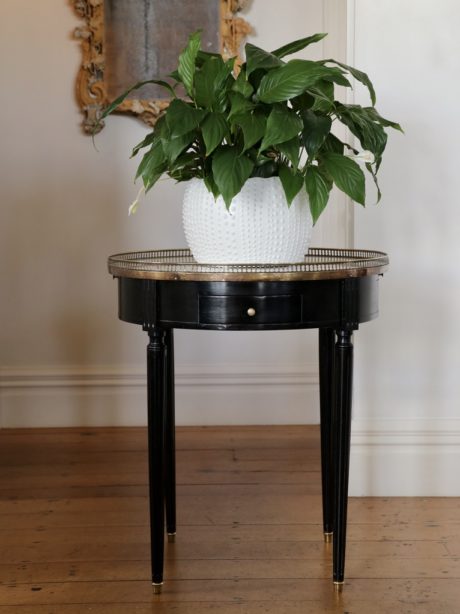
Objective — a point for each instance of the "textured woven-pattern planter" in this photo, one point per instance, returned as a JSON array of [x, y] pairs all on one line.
[[259, 227]]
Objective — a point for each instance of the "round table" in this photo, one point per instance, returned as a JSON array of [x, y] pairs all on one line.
[[333, 290]]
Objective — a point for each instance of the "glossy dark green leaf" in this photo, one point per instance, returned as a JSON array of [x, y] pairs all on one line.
[[148, 140], [323, 97], [154, 176], [214, 129], [292, 182], [211, 185], [283, 124], [208, 80], [257, 58], [374, 177], [359, 76], [230, 170], [290, 80], [332, 144], [371, 134], [184, 167], [265, 170], [242, 85], [173, 147], [203, 56], [291, 149], [318, 188], [373, 114], [347, 176], [337, 76], [304, 101], [187, 60], [239, 104], [182, 117], [151, 160], [253, 126], [315, 129], [298, 45]]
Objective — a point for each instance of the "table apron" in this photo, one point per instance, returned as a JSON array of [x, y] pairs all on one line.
[[342, 303]]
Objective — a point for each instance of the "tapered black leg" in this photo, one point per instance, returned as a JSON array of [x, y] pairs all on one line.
[[343, 376], [170, 445], [156, 412], [326, 385]]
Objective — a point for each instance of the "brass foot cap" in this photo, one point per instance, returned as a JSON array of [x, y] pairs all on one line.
[[338, 586], [171, 538], [157, 587], [328, 537]]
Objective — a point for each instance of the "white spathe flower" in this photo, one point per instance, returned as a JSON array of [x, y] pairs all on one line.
[[133, 207], [364, 156]]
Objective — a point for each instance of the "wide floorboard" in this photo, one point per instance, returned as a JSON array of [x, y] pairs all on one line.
[[74, 535]]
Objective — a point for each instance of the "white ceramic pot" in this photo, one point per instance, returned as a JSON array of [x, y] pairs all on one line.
[[259, 227]]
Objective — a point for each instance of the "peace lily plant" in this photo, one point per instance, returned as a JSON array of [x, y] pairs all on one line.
[[265, 118]]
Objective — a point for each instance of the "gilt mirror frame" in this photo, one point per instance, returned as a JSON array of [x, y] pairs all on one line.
[[91, 85]]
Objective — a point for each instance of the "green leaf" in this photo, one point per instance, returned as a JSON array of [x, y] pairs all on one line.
[[187, 59], [230, 171], [148, 140], [239, 104], [265, 170], [346, 175], [318, 189], [257, 58], [290, 80], [304, 101], [117, 102], [359, 76], [292, 182], [205, 81], [323, 93], [185, 167], [253, 126], [182, 117], [214, 129], [154, 176], [332, 144], [374, 177], [373, 114], [297, 45], [371, 134], [282, 125], [203, 56], [315, 129], [153, 159], [173, 147], [211, 185], [291, 149], [242, 85], [337, 76], [152, 166]]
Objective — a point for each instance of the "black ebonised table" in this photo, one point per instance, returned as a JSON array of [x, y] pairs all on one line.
[[332, 290]]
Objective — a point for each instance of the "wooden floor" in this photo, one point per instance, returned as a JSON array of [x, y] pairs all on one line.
[[74, 530]]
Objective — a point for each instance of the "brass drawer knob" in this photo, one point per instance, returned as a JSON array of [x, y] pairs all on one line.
[[251, 312]]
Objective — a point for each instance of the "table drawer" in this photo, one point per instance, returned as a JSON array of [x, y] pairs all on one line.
[[233, 309]]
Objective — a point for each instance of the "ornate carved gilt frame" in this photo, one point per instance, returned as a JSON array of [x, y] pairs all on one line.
[[90, 86]]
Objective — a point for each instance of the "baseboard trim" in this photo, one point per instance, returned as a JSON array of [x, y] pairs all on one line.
[[116, 396], [405, 458]]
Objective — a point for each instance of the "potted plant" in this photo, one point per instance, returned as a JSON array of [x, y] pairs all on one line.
[[256, 145]]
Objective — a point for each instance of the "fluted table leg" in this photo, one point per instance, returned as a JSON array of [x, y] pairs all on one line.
[[342, 431], [156, 414], [170, 445], [326, 379]]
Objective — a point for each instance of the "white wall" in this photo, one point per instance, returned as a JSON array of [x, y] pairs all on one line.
[[64, 357], [406, 410]]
